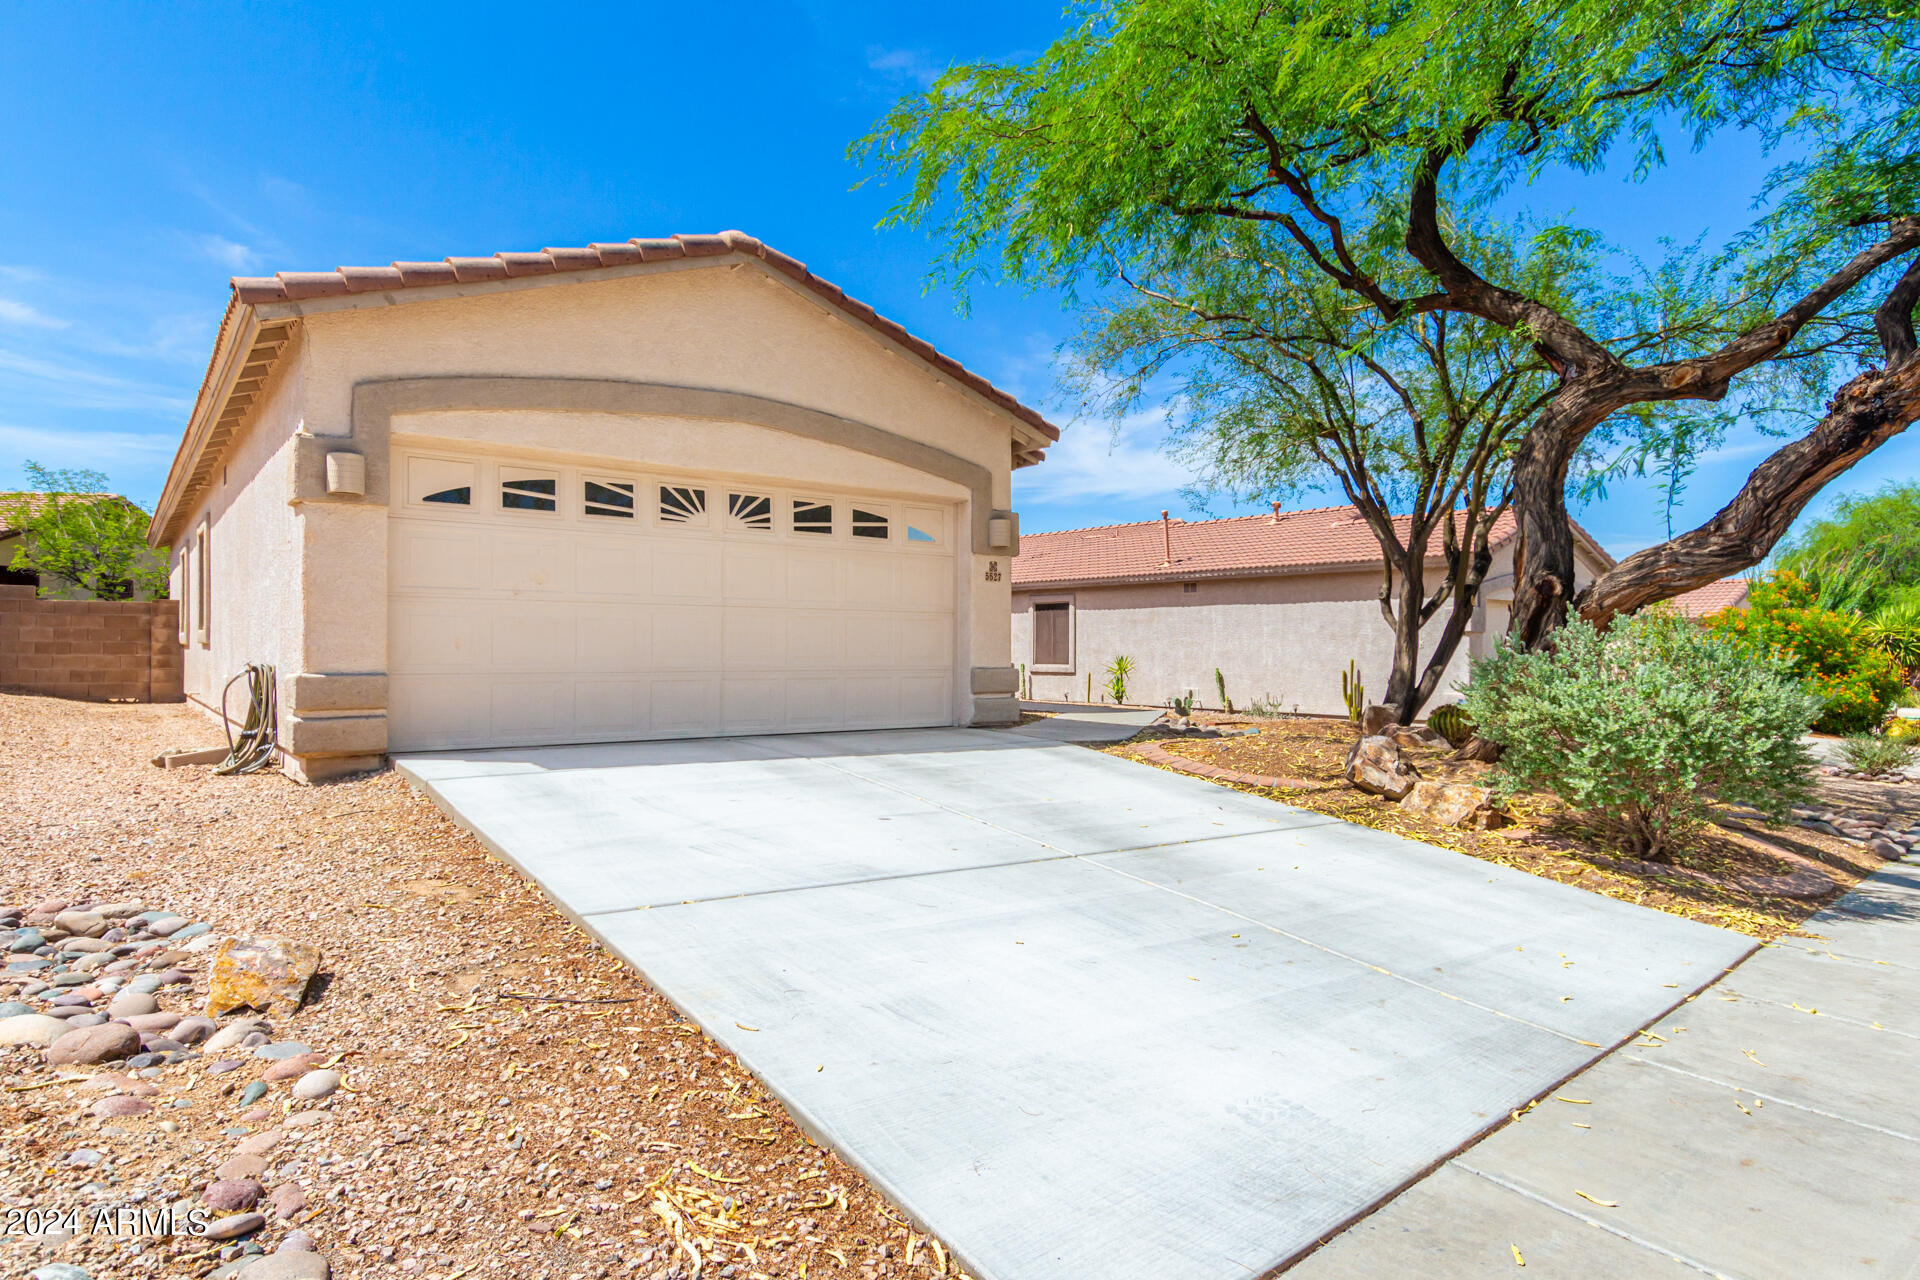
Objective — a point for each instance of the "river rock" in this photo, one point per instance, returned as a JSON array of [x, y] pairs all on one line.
[[280, 1050], [89, 1045], [192, 1030], [120, 1105], [130, 1004], [233, 1033], [1374, 764], [260, 973], [260, 1143], [83, 924], [32, 1028], [289, 1068], [290, 1264], [241, 1167], [14, 1008], [232, 1195], [287, 1200], [235, 1225], [160, 1020], [315, 1085]]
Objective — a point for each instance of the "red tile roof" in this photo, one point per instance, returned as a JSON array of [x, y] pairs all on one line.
[[1728, 593], [296, 286], [1237, 547]]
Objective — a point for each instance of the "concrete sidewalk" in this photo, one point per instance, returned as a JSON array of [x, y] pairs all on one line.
[[1769, 1129], [1084, 724]]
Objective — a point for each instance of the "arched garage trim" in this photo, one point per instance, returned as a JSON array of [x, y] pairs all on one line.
[[376, 403]]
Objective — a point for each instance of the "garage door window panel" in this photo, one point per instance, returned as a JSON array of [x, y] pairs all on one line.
[[1053, 636], [611, 499], [812, 517], [683, 505], [752, 512], [441, 482], [529, 490], [872, 522], [926, 527]]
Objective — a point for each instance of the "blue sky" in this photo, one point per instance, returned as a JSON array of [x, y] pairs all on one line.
[[157, 150]]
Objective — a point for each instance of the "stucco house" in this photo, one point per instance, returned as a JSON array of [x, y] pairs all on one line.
[[649, 489], [1279, 603]]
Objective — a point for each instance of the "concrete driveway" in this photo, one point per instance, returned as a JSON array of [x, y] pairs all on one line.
[[1077, 1016]]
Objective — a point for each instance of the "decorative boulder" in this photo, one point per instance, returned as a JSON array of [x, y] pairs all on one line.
[[1375, 719], [1415, 735], [1376, 765], [260, 973], [1453, 804]]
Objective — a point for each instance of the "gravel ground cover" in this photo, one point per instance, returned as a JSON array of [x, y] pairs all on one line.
[[1722, 877], [514, 1102]]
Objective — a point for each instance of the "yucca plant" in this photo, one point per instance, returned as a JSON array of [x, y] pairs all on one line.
[[1117, 672], [1894, 629]]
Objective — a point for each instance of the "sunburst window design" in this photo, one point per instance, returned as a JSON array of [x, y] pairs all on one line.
[[461, 497], [609, 498], [682, 504], [751, 511], [812, 517]]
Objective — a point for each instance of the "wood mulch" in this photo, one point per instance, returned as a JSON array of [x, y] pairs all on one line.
[[1737, 873]]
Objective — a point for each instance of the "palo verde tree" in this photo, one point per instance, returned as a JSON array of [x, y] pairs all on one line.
[[1358, 135], [1283, 385]]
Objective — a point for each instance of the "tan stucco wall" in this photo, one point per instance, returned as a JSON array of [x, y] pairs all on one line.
[[1284, 639], [314, 574], [255, 542]]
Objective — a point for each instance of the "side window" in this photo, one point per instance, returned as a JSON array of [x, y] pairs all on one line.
[[1053, 635], [183, 592], [202, 610], [524, 490], [811, 516]]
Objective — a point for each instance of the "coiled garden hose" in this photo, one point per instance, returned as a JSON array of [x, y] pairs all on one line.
[[261, 732]]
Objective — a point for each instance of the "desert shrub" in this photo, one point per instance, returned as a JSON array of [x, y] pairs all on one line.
[[1830, 652], [1870, 753], [1637, 726]]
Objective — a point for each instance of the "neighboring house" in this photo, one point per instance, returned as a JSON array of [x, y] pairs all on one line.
[[1280, 603], [650, 489], [10, 541], [1701, 602]]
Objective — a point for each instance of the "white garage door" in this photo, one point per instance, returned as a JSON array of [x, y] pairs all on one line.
[[533, 603]]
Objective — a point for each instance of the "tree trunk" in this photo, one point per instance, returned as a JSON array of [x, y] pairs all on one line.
[[1868, 411], [1543, 565]]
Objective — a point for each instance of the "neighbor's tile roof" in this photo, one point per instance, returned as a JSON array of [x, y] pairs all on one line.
[[296, 286], [36, 501], [1240, 546], [1728, 593]]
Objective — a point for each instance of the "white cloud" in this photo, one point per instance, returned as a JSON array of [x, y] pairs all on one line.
[[904, 65], [20, 313], [1098, 460], [75, 385], [230, 254]]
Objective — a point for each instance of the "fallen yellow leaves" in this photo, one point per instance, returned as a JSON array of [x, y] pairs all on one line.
[[1604, 1204], [1518, 1259], [717, 1177]]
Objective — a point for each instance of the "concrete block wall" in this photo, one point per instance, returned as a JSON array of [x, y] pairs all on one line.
[[94, 650]]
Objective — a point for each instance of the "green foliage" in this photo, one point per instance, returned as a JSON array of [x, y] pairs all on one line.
[[1829, 651], [1352, 692], [1869, 546], [1870, 753], [1903, 730], [1452, 723], [1639, 725], [1117, 672], [1220, 683], [78, 539], [1267, 704], [1182, 707], [1894, 629]]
